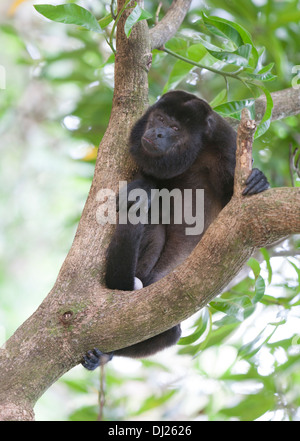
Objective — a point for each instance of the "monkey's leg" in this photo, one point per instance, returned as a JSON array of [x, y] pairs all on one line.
[[122, 257]]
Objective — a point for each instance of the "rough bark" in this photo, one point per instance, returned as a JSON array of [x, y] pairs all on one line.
[[245, 135], [77, 314]]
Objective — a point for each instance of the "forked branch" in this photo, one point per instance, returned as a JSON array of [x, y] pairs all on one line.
[[168, 26]]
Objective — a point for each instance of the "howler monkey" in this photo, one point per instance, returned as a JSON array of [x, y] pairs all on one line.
[[179, 143]]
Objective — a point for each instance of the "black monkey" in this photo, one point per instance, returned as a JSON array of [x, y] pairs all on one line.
[[179, 143]]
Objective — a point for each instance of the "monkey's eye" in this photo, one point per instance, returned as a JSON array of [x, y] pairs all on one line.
[[161, 118]]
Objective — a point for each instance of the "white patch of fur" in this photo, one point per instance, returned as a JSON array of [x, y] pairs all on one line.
[[138, 284]]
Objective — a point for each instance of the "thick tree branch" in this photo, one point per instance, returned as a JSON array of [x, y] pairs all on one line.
[[286, 103], [169, 25], [56, 336]]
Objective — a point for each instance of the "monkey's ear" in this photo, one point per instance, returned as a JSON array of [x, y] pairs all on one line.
[[210, 124], [202, 112]]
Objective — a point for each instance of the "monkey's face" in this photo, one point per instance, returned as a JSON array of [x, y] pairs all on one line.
[[167, 139], [163, 133]]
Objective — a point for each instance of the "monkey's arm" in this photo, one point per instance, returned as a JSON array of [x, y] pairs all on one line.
[[123, 251], [122, 256]]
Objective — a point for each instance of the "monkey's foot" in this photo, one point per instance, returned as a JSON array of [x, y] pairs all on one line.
[[95, 358]]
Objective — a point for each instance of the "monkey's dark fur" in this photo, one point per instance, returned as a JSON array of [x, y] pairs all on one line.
[[180, 142]]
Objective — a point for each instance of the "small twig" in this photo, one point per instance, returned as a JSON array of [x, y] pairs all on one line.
[[112, 9], [245, 134], [294, 163], [286, 253], [115, 25], [157, 13], [291, 163], [201, 66], [101, 393]]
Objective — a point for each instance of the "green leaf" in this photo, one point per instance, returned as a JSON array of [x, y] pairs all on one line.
[[233, 108], [189, 339], [267, 68], [250, 349], [297, 289], [86, 413], [223, 29], [263, 74], [266, 256], [238, 307], [266, 121], [260, 288], [255, 266], [136, 15], [154, 401], [196, 52], [178, 45], [105, 21], [244, 36], [70, 14], [252, 407], [219, 99], [208, 45], [202, 325], [284, 18], [240, 57], [295, 268], [227, 320], [217, 336], [79, 385], [227, 307]]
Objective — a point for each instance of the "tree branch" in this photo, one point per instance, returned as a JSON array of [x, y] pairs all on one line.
[[169, 25], [66, 325], [245, 135], [286, 103]]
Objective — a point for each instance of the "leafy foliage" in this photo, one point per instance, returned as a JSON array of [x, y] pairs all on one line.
[[233, 48], [70, 14], [136, 15]]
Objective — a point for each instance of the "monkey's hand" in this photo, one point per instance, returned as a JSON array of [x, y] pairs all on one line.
[[256, 183]]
